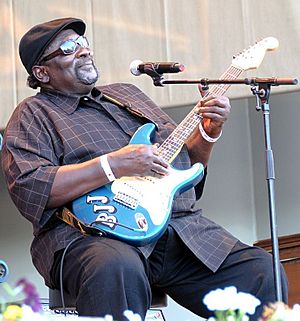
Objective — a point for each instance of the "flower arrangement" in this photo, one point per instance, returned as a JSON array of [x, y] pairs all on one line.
[[30, 307], [227, 304], [280, 312], [230, 305], [16, 311]]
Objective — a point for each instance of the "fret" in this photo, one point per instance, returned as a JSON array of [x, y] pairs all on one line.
[[173, 144]]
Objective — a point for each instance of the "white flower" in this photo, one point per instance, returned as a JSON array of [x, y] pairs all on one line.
[[29, 314], [295, 313], [108, 317], [296, 308], [286, 314], [230, 299], [280, 312], [221, 300], [132, 316], [247, 302]]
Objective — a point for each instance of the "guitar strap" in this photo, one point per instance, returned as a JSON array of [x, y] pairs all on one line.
[[127, 106], [68, 217]]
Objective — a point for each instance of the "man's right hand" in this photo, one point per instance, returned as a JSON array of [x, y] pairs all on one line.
[[74, 180], [137, 160]]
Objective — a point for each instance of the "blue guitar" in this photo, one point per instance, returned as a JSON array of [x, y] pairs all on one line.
[[137, 209]]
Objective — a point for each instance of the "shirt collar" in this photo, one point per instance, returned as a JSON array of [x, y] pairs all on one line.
[[68, 102]]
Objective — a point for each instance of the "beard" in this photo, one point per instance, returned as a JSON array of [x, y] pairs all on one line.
[[87, 74]]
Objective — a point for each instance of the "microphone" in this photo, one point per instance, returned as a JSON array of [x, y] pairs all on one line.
[[138, 67]]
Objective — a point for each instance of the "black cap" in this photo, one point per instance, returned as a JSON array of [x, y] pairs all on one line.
[[35, 41]]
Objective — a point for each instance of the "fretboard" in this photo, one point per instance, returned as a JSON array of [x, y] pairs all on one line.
[[169, 149]]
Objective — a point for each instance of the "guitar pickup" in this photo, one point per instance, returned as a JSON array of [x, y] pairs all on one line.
[[126, 200]]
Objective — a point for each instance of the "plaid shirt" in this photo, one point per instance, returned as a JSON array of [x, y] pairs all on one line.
[[52, 129]]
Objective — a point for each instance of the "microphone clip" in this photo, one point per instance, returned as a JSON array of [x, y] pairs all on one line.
[[156, 77]]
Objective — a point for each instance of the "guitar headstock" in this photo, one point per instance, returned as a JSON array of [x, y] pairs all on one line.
[[252, 57]]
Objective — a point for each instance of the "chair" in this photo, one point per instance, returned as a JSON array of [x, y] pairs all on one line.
[[159, 300]]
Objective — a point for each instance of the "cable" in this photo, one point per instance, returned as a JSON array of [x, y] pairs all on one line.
[[105, 223], [61, 274]]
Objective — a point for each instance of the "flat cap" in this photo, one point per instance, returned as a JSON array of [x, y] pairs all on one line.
[[34, 42]]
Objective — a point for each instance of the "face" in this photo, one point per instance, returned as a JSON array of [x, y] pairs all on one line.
[[74, 73]]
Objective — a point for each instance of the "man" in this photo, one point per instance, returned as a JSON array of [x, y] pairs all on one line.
[[53, 153]]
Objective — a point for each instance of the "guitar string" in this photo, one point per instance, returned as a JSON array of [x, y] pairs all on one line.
[[172, 145], [195, 119]]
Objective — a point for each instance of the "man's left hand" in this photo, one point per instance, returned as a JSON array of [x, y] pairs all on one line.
[[215, 111]]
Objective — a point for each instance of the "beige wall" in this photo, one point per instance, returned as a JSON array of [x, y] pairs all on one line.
[[201, 34]]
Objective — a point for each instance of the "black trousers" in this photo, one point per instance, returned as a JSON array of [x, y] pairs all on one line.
[[108, 276]]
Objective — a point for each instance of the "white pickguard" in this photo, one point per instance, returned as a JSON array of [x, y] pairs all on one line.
[[152, 193]]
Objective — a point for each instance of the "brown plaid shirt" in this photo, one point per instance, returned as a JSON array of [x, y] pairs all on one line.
[[52, 129]]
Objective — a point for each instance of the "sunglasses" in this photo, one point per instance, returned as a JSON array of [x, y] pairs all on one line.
[[67, 48]]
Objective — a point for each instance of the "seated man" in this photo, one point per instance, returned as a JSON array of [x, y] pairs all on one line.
[[73, 137]]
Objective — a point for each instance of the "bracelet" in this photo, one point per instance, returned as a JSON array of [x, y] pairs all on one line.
[[206, 137], [106, 168]]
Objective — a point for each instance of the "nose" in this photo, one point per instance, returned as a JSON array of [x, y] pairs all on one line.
[[84, 52]]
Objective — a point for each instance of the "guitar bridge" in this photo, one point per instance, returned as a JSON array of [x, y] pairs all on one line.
[[126, 200]]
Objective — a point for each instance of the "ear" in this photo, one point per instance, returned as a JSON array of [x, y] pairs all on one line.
[[41, 74]]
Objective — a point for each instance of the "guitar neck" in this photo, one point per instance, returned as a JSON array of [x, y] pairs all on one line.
[[169, 149]]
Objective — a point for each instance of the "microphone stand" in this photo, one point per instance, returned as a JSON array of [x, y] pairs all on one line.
[[263, 93], [261, 88]]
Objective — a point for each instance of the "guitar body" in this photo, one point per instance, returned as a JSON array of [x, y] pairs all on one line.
[[136, 209]]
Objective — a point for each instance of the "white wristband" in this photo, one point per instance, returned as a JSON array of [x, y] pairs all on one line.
[[106, 168], [206, 137]]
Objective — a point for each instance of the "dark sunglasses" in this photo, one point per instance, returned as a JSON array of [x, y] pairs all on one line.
[[67, 48]]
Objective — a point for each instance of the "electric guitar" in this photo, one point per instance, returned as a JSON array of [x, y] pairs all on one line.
[[137, 209]]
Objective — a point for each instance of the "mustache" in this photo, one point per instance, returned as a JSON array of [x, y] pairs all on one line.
[[85, 60]]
